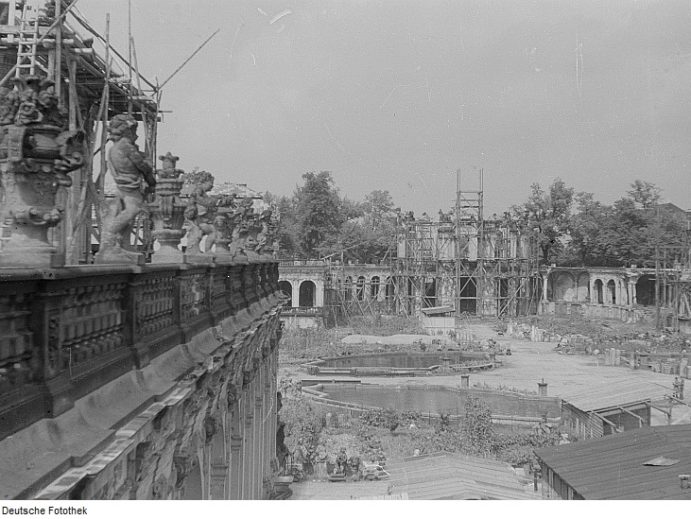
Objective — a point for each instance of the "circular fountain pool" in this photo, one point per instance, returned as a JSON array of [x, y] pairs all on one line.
[[402, 364]]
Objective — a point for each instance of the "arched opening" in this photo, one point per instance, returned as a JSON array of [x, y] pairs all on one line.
[[611, 292], [583, 288], [360, 288], [286, 288], [563, 284], [308, 291], [348, 289], [374, 287], [389, 292], [467, 294], [429, 299], [645, 290], [598, 292]]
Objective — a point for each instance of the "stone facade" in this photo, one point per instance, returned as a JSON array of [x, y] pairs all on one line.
[[126, 382]]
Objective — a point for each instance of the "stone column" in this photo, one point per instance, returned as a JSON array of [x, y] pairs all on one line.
[[248, 450], [632, 293], [238, 448], [235, 467], [295, 302], [219, 467], [260, 444]]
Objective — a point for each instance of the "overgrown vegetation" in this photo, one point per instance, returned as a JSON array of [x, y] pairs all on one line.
[[303, 423]]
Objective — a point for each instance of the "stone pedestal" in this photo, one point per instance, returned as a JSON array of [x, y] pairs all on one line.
[[29, 209], [542, 388], [168, 212]]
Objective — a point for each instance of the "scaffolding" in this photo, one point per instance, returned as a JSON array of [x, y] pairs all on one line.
[[465, 264], [460, 265], [41, 39], [672, 285]]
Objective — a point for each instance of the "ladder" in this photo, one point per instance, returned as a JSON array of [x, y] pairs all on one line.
[[27, 44]]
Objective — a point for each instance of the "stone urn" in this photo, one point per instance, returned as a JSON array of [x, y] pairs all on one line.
[[168, 212], [34, 163]]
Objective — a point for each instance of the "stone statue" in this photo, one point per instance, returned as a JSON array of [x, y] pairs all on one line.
[[134, 177], [206, 214], [264, 241]]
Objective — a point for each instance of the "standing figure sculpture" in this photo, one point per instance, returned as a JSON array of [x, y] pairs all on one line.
[[134, 177]]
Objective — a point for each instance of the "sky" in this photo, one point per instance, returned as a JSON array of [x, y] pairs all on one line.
[[399, 94]]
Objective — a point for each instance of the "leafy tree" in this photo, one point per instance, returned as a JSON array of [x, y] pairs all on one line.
[[589, 233], [549, 214], [318, 211], [646, 194]]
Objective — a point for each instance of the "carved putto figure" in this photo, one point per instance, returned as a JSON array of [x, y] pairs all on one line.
[[134, 177], [206, 214]]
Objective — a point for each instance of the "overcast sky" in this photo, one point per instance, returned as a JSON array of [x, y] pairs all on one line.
[[398, 94]]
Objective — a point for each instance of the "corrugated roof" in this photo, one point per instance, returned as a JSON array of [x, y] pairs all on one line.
[[453, 476], [612, 467], [607, 394]]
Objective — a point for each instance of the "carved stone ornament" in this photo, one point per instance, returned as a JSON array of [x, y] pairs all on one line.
[[168, 211], [36, 155]]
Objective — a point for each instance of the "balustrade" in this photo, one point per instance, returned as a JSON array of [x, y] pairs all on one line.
[[65, 332]]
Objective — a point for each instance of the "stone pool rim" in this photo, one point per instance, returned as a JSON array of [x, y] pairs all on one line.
[[316, 393], [486, 360]]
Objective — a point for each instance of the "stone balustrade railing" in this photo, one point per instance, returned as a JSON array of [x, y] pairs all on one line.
[[66, 332]]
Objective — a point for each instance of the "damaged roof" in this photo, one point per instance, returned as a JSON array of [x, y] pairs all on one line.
[[622, 466]]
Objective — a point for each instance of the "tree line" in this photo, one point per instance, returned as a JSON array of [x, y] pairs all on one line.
[[572, 228]]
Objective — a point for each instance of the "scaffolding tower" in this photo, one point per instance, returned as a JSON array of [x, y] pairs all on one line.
[[465, 264], [672, 285]]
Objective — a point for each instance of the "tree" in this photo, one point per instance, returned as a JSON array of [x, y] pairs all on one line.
[[318, 211], [548, 213], [645, 194], [588, 232]]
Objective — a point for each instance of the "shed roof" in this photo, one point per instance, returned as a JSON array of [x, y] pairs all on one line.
[[612, 467], [607, 394], [453, 476]]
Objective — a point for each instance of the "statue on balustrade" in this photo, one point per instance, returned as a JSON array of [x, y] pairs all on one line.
[[206, 214], [264, 238], [134, 177]]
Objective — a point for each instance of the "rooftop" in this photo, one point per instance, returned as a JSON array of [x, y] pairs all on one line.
[[606, 394], [612, 467], [454, 476]]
